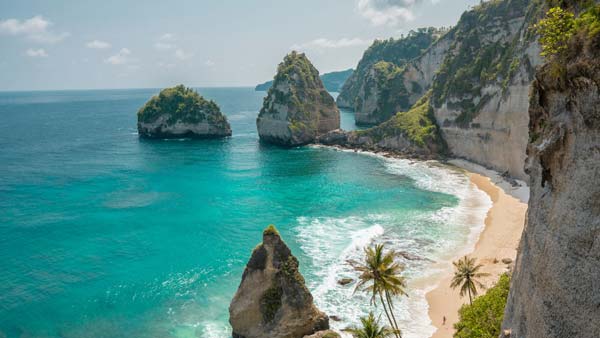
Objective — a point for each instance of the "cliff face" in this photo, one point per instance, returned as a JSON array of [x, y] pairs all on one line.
[[378, 89], [555, 289], [297, 108], [480, 94], [272, 300], [180, 112]]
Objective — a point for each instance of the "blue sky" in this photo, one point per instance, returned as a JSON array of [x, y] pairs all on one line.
[[138, 44]]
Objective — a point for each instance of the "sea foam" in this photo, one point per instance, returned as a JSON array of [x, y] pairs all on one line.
[[431, 239]]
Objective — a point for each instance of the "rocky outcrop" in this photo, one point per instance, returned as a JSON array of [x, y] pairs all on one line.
[[412, 133], [180, 112], [555, 289], [272, 300], [480, 94], [297, 108], [392, 75], [324, 334]]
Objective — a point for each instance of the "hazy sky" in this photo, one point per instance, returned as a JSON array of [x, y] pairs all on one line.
[[133, 44]]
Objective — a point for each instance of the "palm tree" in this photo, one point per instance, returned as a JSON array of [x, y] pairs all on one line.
[[466, 273], [381, 276], [371, 329]]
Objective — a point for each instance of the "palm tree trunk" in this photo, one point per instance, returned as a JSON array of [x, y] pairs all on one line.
[[388, 316], [389, 300], [470, 300]]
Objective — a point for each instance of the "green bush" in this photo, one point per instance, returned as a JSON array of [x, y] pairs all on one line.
[[484, 317], [181, 104], [555, 31]]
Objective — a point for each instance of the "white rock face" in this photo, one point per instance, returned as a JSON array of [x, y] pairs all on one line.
[[181, 129], [497, 137]]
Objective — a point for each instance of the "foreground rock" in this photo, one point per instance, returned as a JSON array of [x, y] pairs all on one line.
[[180, 112], [297, 108], [555, 289], [324, 334], [272, 300]]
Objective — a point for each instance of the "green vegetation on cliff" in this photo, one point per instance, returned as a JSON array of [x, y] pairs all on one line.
[[332, 81], [395, 51], [484, 317], [180, 104], [569, 40], [298, 98], [481, 55], [417, 125]]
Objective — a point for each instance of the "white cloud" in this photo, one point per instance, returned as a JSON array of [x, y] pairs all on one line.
[[36, 28], [166, 37], [121, 58], [328, 43], [40, 52], [209, 63], [387, 12], [182, 55], [97, 44], [165, 42], [163, 45]]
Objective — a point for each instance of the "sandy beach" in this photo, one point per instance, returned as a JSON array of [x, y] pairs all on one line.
[[499, 239]]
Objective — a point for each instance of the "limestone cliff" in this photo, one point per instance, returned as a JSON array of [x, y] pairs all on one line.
[[272, 300], [480, 94], [297, 108], [384, 84], [179, 112], [555, 289]]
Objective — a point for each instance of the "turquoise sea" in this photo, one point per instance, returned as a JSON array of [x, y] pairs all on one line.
[[106, 235]]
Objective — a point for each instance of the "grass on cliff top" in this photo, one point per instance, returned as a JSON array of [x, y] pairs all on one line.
[[483, 319], [417, 124], [180, 104]]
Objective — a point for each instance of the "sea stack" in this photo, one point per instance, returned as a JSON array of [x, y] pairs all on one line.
[[272, 299], [297, 108], [180, 112]]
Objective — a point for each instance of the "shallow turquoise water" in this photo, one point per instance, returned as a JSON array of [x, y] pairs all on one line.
[[106, 235]]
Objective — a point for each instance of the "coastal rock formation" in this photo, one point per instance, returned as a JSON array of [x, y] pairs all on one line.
[[180, 112], [272, 300], [297, 108], [555, 289], [412, 133], [480, 94], [333, 81], [392, 75], [324, 334]]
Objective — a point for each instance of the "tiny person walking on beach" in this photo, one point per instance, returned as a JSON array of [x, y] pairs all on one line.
[[444, 322]]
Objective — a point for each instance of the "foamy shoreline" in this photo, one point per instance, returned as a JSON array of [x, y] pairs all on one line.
[[495, 236], [499, 239]]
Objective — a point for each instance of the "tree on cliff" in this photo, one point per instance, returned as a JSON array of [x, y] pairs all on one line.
[[381, 276], [465, 275]]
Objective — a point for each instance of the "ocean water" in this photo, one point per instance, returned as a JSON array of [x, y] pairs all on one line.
[[106, 235]]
